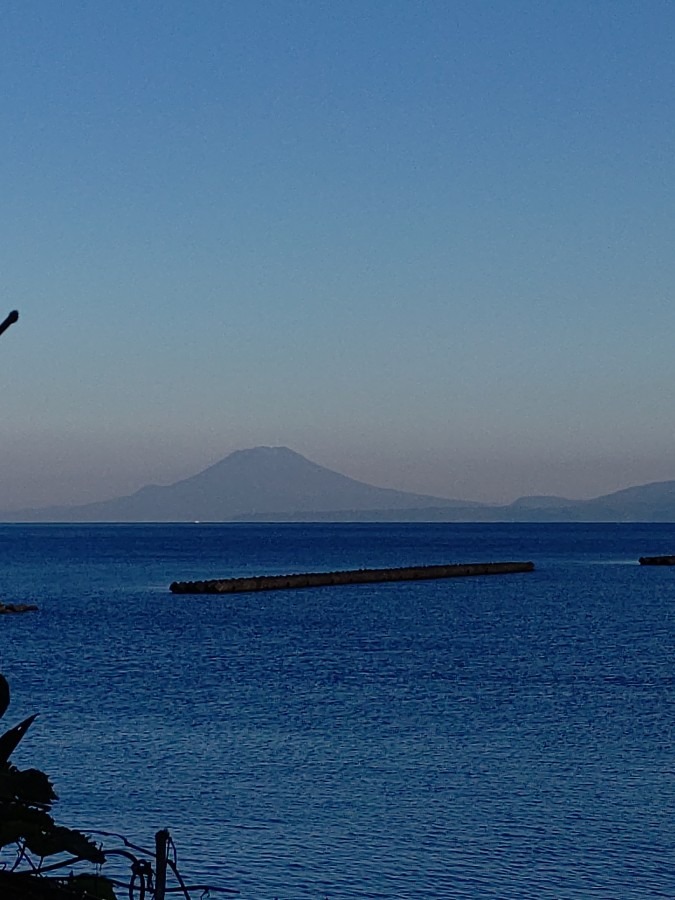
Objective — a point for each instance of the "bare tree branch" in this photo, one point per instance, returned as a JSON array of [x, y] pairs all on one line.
[[10, 320]]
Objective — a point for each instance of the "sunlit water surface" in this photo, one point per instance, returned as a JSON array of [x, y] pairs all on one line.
[[507, 737]]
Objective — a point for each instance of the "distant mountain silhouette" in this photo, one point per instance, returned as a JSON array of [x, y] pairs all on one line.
[[278, 484], [263, 483], [653, 502]]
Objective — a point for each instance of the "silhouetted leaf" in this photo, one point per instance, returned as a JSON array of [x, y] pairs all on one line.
[[11, 739], [7, 783], [23, 823], [64, 840], [33, 786], [4, 695], [31, 817], [11, 831]]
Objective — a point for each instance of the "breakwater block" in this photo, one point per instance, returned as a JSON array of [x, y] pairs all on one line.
[[657, 560], [354, 576], [9, 608]]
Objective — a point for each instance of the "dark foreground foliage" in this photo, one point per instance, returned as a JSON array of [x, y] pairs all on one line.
[[47, 861], [41, 847]]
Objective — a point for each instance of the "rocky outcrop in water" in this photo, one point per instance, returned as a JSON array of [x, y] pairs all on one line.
[[16, 608]]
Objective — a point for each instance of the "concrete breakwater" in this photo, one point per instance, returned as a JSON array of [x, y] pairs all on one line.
[[657, 560], [354, 576]]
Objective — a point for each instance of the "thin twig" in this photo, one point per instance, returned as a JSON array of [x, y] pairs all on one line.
[[73, 861], [120, 837]]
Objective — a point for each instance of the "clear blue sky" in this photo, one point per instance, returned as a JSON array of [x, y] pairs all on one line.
[[429, 244]]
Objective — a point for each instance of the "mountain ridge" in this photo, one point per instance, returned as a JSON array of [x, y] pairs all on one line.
[[279, 484], [261, 481]]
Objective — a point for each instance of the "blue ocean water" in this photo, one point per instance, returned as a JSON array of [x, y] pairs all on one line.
[[505, 737]]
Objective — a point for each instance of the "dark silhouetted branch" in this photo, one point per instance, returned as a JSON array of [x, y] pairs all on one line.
[[10, 320]]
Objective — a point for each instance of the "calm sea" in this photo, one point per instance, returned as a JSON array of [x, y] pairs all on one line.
[[506, 737]]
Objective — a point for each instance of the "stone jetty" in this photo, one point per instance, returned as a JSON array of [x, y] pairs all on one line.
[[354, 576], [657, 560]]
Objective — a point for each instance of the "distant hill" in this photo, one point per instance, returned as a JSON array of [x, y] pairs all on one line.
[[645, 503], [275, 484], [653, 502], [264, 482], [542, 501]]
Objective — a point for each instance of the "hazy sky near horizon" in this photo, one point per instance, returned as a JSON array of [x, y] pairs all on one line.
[[430, 244]]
